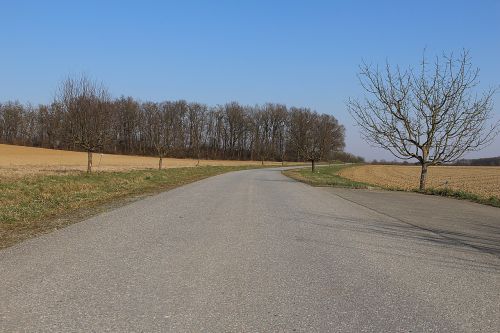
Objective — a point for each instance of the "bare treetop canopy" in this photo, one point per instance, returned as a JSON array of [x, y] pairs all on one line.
[[432, 115], [87, 106]]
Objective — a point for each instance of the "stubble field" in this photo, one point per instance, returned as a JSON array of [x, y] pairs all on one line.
[[22, 161], [481, 181]]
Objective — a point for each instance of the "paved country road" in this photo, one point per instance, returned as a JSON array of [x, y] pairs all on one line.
[[253, 251]]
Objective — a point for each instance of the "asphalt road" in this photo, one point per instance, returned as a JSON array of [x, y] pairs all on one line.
[[253, 251]]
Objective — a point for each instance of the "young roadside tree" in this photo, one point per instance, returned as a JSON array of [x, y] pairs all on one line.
[[315, 136], [86, 105], [433, 115], [307, 135], [158, 131]]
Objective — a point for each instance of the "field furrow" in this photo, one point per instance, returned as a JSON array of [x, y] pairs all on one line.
[[481, 181]]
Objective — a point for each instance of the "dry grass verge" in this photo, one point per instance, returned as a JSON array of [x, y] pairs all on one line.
[[35, 204], [324, 176]]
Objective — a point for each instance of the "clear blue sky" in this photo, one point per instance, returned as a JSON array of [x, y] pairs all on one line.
[[302, 53]]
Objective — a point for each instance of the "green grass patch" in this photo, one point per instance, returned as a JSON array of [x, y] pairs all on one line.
[[36, 204], [324, 176], [446, 192], [328, 176]]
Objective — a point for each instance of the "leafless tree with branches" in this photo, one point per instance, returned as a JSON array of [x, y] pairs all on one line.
[[157, 129], [315, 136], [86, 105], [432, 115]]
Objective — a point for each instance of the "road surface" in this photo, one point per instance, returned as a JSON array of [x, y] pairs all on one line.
[[254, 251]]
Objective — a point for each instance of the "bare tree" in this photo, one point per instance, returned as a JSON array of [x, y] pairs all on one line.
[[304, 128], [86, 106], [158, 131], [432, 115]]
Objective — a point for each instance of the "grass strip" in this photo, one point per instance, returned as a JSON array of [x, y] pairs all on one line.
[[37, 204], [462, 195], [324, 176], [328, 176]]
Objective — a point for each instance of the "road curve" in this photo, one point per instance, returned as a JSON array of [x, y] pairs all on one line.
[[253, 251]]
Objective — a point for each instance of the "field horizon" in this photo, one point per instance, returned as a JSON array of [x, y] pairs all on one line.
[[24, 160], [483, 181]]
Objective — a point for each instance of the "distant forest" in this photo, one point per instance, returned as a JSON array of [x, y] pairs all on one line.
[[92, 122], [488, 161]]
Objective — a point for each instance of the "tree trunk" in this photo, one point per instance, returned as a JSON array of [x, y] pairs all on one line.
[[160, 162], [89, 162], [313, 166], [423, 177]]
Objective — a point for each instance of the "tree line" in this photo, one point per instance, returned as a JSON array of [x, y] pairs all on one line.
[[84, 117], [486, 161]]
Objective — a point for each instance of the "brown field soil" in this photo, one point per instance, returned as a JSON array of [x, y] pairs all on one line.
[[481, 181], [22, 161]]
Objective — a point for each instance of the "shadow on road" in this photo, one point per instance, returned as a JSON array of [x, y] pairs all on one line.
[[434, 245]]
